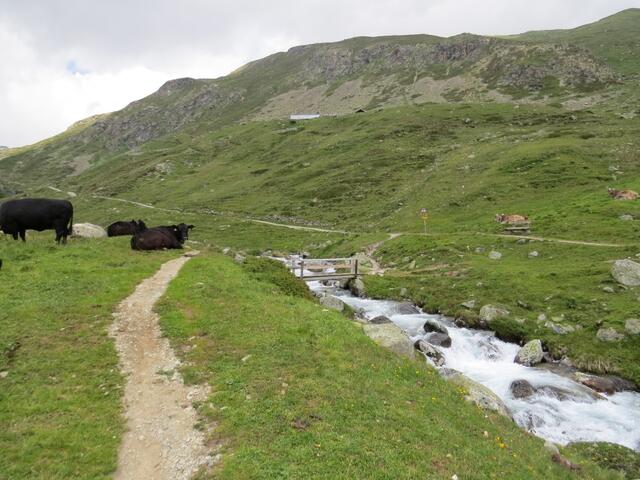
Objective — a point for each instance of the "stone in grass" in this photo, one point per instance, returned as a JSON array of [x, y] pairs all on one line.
[[608, 289], [559, 328], [632, 326], [493, 255], [626, 272], [470, 304], [489, 313], [534, 254], [626, 217], [609, 335], [331, 302], [530, 354]]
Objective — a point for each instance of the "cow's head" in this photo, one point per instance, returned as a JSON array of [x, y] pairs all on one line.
[[182, 231], [139, 226]]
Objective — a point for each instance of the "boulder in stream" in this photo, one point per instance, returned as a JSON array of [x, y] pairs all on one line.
[[406, 308], [521, 389], [392, 337], [357, 287], [438, 339], [608, 384], [430, 351], [478, 394], [379, 320], [530, 354], [432, 325]]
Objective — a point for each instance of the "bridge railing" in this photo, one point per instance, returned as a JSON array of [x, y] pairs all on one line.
[[324, 268]]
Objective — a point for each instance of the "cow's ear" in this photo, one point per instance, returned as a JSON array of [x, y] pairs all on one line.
[[174, 226], [190, 227]]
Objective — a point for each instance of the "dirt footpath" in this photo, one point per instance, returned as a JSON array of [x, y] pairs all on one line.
[[161, 441]]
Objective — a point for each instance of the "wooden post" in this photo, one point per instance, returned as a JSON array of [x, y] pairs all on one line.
[[301, 268], [356, 260]]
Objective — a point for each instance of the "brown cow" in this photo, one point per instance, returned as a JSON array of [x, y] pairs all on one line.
[[622, 194], [511, 219]]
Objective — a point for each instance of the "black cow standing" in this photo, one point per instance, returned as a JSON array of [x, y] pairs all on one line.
[[18, 216], [118, 229], [158, 238]]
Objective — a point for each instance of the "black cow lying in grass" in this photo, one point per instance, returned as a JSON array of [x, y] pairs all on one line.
[[158, 238], [118, 229], [18, 216]]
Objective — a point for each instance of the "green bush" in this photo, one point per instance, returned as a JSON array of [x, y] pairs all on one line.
[[272, 271]]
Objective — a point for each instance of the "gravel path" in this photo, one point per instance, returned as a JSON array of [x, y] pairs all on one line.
[[161, 441]]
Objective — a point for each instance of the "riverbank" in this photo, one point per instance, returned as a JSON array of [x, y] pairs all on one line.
[[300, 392]]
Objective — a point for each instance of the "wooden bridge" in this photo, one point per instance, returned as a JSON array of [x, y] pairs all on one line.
[[324, 268]]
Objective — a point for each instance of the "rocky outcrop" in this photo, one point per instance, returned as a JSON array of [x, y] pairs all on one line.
[[530, 354], [626, 272], [88, 230], [390, 336], [477, 393]]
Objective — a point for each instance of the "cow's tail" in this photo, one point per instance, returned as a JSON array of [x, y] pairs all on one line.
[[70, 228]]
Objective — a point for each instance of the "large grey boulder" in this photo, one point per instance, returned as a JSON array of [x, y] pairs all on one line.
[[530, 354], [478, 394], [88, 230], [632, 326], [357, 287], [489, 313], [626, 272], [609, 335], [331, 302], [389, 335], [406, 308], [380, 319], [431, 352]]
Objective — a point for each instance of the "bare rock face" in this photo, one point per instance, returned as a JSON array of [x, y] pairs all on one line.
[[626, 272], [530, 354]]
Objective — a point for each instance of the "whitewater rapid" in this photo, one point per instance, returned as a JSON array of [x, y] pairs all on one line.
[[561, 410]]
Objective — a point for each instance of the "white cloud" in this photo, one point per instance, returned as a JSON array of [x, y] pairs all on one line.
[[128, 48]]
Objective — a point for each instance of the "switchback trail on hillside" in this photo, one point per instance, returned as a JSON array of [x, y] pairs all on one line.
[[161, 441]]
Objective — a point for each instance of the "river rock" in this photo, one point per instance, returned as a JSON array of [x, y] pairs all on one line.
[[530, 354], [479, 394], [406, 308], [521, 389], [390, 336], [88, 230], [432, 352], [489, 313], [609, 335], [608, 384], [357, 287], [432, 325], [626, 272], [632, 326], [379, 320], [493, 255], [331, 302], [438, 339]]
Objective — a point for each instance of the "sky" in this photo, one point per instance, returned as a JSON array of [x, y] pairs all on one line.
[[65, 60]]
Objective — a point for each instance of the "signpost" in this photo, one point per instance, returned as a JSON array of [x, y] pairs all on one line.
[[424, 215]]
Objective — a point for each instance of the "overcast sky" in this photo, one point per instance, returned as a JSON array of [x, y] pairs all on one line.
[[64, 60]]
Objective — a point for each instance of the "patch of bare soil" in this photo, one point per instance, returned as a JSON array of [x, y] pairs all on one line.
[[161, 441]]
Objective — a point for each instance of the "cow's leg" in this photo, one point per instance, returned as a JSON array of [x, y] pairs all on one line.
[[15, 235], [22, 235]]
